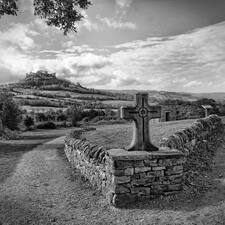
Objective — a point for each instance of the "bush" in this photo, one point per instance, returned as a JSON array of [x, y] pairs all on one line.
[[11, 115], [47, 125], [74, 114], [10, 135], [76, 134], [28, 122], [95, 120]]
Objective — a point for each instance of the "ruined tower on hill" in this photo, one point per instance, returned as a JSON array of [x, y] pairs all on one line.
[[40, 78], [44, 78]]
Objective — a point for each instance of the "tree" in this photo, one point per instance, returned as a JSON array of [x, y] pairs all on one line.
[[62, 14], [75, 114], [28, 122], [11, 115], [4, 94]]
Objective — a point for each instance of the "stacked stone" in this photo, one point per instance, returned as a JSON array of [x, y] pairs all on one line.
[[137, 176], [199, 143], [203, 130], [126, 176], [90, 151], [89, 159]]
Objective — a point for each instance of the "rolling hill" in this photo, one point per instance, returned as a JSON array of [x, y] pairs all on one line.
[[42, 91]]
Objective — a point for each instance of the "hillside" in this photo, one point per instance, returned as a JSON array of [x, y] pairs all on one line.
[[43, 91], [218, 96]]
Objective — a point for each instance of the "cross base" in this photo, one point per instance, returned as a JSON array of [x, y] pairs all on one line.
[[147, 148]]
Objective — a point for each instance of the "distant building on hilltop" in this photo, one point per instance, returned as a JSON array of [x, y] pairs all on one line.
[[43, 78], [40, 78]]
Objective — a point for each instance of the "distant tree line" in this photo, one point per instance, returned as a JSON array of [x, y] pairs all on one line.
[[217, 107]]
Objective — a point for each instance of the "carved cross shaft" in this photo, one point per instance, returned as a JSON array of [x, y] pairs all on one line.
[[141, 114]]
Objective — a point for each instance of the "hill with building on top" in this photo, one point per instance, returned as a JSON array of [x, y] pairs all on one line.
[[43, 91]]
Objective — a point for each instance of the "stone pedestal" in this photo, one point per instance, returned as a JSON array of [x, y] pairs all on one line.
[[127, 176], [137, 175]]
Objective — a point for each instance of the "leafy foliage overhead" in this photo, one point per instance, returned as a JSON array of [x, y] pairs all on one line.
[[62, 14], [8, 7]]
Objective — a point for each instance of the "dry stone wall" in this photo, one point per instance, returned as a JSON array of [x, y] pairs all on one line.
[[199, 143], [127, 176], [90, 160], [123, 176], [138, 175], [207, 130]]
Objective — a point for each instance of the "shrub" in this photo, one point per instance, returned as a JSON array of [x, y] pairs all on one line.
[[74, 114], [95, 120], [76, 134], [85, 119], [10, 135], [47, 125], [11, 115], [28, 122]]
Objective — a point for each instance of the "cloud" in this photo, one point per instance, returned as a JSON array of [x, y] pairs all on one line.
[[87, 23], [40, 24], [123, 3], [187, 62], [26, 5], [96, 25], [122, 7], [116, 24], [72, 48], [18, 35], [15, 45], [193, 83]]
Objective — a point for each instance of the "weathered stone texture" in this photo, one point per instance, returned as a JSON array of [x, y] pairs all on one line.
[[153, 174], [195, 141], [202, 131], [126, 176], [90, 160]]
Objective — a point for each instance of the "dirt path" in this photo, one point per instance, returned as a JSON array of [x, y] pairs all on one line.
[[43, 191]]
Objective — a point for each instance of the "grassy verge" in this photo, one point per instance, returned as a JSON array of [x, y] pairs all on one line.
[[119, 136]]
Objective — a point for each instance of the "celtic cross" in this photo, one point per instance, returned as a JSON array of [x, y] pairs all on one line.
[[141, 114]]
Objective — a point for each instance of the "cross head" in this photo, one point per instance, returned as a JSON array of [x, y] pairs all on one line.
[[141, 114]]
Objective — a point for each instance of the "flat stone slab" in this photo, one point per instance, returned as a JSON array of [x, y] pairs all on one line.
[[162, 153]]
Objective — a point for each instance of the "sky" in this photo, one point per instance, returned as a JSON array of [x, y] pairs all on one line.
[[171, 45]]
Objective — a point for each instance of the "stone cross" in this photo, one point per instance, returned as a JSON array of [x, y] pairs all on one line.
[[141, 114]]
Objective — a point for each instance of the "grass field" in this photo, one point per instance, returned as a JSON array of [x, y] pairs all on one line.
[[39, 187], [119, 136], [118, 103]]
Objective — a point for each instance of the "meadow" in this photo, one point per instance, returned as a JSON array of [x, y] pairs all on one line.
[[119, 136]]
